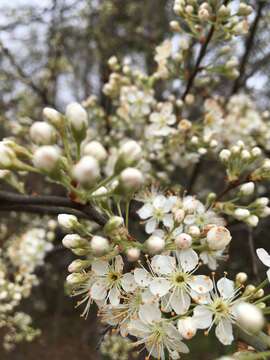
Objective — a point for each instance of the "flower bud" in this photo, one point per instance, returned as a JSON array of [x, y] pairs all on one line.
[[114, 223], [245, 155], [99, 245], [42, 133], [249, 290], [247, 189], [68, 222], [155, 244], [249, 317], [78, 119], [266, 165], [244, 10], [256, 151], [183, 241], [263, 201], [7, 156], [78, 265], [259, 294], [100, 191], [252, 220], [95, 149], [131, 179], [224, 155], [75, 279], [72, 241], [194, 231], [218, 237], [53, 116], [187, 328], [129, 154], [86, 171], [179, 215], [46, 158], [133, 254], [241, 213], [241, 277]]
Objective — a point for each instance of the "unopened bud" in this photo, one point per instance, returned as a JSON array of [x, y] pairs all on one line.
[[78, 119], [99, 245], [86, 171], [47, 157], [133, 254], [249, 317], [247, 189], [155, 244], [218, 237], [95, 149], [53, 116], [68, 222], [183, 241], [42, 133]]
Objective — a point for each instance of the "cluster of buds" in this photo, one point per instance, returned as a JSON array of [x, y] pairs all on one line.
[[196, 15], [238, 159]]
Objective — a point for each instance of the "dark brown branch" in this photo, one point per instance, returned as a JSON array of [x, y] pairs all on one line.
[[248, 47], [56, 204]]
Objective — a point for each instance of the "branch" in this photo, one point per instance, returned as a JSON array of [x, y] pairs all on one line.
[[48, 204], [201, 55], [248, 47]]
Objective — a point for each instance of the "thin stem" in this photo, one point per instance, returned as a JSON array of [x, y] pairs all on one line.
[[127, 213]]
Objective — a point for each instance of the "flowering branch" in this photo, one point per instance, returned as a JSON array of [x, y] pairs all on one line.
[[248, 47]]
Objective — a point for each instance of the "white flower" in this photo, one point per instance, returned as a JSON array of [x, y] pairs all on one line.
[[162, 120], [219, 311], [156, 334], [156, 212], [176, 281], [109, 281], [265, 259]]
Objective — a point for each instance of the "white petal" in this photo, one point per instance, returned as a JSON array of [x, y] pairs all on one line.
[[225, 287], [202, 317], [188, 259], [149, 313], [162, 264], [114, 296], [148, 297], [201, 284], [268, 274], [137, 328], [151, 225], [98, 290], [168, 221], [142, 277], [201, 299], [118, 264], [146, 211], [128, 282], [180, 302], [100, 267], [263, 256], [159, 286], [159, 201], [168, 205], [224, 332]]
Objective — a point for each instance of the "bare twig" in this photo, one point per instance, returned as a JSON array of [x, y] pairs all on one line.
[[248, 47], [252, 253], [48, 204]]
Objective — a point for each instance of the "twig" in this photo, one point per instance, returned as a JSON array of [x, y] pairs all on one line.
[[49, 204], [252, 253], [248, 47], [195, 173]]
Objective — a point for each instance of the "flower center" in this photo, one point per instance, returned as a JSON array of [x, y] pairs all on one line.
[[179, 279], [158, 214], [113, 276], [221, 307]]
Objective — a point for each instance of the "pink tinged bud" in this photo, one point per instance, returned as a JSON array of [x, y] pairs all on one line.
[[95, 149], [131, 179], [218, 237], [155, 244], [187, 328], [42, 133], [86, 171], [133, 254], [99, 245], [249, 317], [46, 157], [183, 241]]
